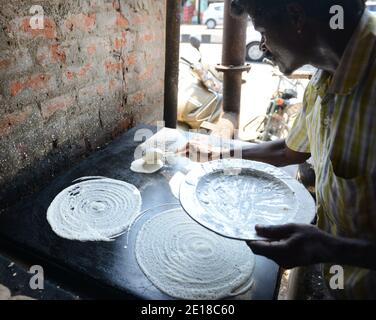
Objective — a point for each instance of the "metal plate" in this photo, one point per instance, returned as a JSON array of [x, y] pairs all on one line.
[[231, 196]]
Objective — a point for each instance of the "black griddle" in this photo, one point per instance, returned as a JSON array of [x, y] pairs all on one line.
[[104, 269]]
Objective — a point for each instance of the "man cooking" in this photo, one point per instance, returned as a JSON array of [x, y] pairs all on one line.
[[336, 127]]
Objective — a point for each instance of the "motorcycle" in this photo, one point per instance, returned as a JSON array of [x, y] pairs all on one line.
[[278, 115], [281, 112], [200, 91]]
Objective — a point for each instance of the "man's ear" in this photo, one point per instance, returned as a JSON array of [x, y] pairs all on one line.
[[236, 8], [297, 15]]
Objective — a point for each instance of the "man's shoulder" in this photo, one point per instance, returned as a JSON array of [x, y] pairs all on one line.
[[316, 86]]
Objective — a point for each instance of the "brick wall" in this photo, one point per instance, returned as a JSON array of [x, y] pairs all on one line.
[[95, 70]]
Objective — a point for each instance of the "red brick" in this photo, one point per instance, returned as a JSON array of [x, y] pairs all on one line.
[[5, 63], [110, 22], [146, 73], [49, 31], [112, 66], [38, 81], [14, 119], [101, 89], [139, 19], [74, 72], [50, 54], [116, 5], [121, 21], [136, 98], [122, 126], [94, 46], [92, 92], [148, 36], [131, 59], [121, 42], [115, 85], [83, 22], [59, 103], [84, 69], [57, 53], [91, 49]]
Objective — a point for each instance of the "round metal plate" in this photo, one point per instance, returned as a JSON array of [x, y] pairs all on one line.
[[231, 196]]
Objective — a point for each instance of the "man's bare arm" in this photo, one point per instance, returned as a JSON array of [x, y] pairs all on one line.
[[275, 152]]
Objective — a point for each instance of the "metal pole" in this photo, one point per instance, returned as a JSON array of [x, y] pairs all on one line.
[[199, 12], [172, 63], [233, 59]]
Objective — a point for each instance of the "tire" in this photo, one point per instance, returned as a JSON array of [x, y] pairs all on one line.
[[211, 24], [253, 52]]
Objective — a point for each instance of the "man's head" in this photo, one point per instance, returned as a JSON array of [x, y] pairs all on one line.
[[297, 32]]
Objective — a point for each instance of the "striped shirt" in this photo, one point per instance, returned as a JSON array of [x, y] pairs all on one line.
[[337, 125]]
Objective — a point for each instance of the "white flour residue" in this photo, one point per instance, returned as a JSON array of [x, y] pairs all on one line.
[[187, 261], [95, 209]]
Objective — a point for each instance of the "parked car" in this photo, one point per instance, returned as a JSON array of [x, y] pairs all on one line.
[[253, 51], [213, 15], [371, 6]]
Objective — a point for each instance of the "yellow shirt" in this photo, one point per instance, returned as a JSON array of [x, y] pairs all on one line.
[[337, 125]]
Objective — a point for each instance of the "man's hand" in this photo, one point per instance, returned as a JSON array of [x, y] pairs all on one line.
[[293, 245], [200, 151]]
